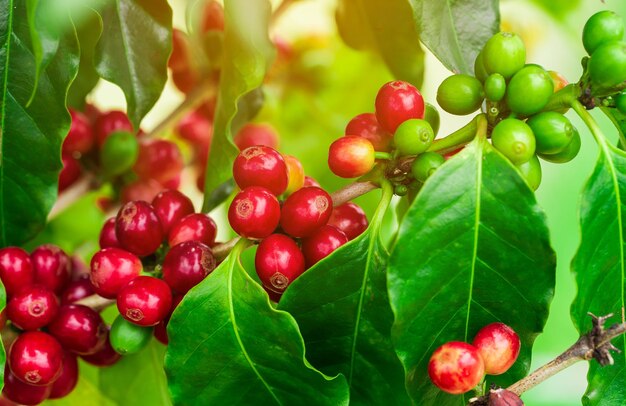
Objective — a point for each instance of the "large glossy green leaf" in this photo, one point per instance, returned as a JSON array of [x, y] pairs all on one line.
[[31, 137], [133, 51], [229, 346], [387, 28], [455, 31], [472, 249], [342, 308], [88, 30], [247, 53]]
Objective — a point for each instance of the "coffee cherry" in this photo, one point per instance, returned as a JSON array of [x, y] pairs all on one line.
[[35, 358], [69, 173], [141, 189], [193, 227], [553, 132], [309, 181], [514, 139], [366, 126], [620, 102], [66, 382], [495, 87], [460, 94], [138, 229], [413, 137], [187, 264], [105, 356], [322, 243], [278, 262], [456, 367], [425, 165], [32, 307], [111, 269], [479, 67], [397, 102], [160, 330], [504, 53], [531, 171], [607, 66], [16, 269], [107, 237], [567, 154], [529, 90], [77, 290], [602, 27], [110, 122], [80, 138], [351, 156], [305, 211], [118, 153], [79, 329], [128, 338], [252, 134], [51, 266], [22, 393], [498, 346], [212, 17], [349, 218], [160, 160], [431, 115], [196, 129], [255, 212], [261, 166], [145, 301], [295, 173], [171, 206], [559, 80]]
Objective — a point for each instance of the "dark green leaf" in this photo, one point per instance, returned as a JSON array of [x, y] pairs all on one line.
[[133, 51], [44, 33], [455, 31], [229, 346], [342, 308], [619, 120], [472, 249], [387, 28], [247, 53], [31, 136], [88, 30]]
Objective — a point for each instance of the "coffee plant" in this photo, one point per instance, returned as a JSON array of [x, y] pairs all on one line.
[[206, 257]]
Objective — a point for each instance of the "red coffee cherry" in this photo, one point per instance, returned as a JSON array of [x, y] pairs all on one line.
[[252, 134], [77, 290], [141, 189], [261, 166], [456, 367], [397, 102], [295, 173], [498, 346], [213, 17], [309, 181], [366, 126], [35, 358], [194, 227], [22, 393], [80, 138], [79, 329], [52, 267], [16, 269], [32, 307], [254, 212], [160, 330], [109, 122], [351, 156], [349, 218], [145, 301], [66, 382], [278, 262], [138, 229], [187, 264], [322, 243], [111, 269], [105, 356], [305, 211], [179, 58], [171, 206], [196, 128], [107, 235], [160, 160], [69, 173]]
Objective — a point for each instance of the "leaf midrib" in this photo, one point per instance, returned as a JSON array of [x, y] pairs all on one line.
[[2, 118], [479, 174]]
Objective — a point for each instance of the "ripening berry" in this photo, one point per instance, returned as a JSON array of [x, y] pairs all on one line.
[[253, 134], [109, 122], [305, 211], [193, 227], [52, 267], [69, 173], [79, 329], [397, 102], [160, 160], [278, 262], [295, 172], [351, 156], [187, 264], [16, 269], [66, 382], [366, 126], [33, 307], [111, 269], [456, 367], [498, 346], [171, 206], [145, 301], [261, 166], [255, 212], [80, 138], [138, 228], [349, 218], [322, 243], [35, 358]]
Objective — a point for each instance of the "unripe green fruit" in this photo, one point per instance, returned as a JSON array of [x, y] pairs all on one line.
[[400, 190], [460, 94], [505, 54], [128, 338], [514, 139], [567, 154], [602, 27], [479, 68], [495, 87], [607, 66], [425, 165], [531, 171], [119, 153], [553, 132], [413, 137], [431, 114], [529, 90], [620, 102]]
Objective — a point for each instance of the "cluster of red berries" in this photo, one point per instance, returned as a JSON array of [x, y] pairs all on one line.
[[457, 367], [300, 233]]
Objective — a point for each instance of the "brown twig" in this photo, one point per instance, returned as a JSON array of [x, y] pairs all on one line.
[[352, 191]]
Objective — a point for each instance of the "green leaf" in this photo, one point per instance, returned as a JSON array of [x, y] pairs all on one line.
[[247, 53], [342, 308], [3, 302], [133, 51], [89, 29], [387, 28], [472, 249], [229, 346], [619, 121], [31, 138], [455, 31]]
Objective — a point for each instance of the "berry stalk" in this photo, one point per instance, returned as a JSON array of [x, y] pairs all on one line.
[[352, 191], [456, 139]]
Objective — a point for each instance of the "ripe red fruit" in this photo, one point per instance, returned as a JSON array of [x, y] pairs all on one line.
[[456, 367], [261, 166], [141, 189], [69, 173], [107, 234], [138, 229], [160, 160], [32, 307], [309, 181], [111, 269], [252, 134], [77, 290], [145, 301], [35, 358], [16, 269], [213, 17], [80, 138], [171, 206], [305, 211], [109, 122], [52, 267], [295, 173], [278, 262], [194, 227], [79, 329], [160, 330], [196, 128], [66, 382], [22, 393], [397, 102], [498, 346], [349, 218], [351, 156], [254, 212], [187, 264], [366, 126], [105, 356], [322, 243]]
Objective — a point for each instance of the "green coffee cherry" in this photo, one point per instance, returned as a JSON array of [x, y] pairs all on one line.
[[602, 27], [400, 190], [413, 137], [505, 54], [119, 153], [553, 132], [460, 94], [567, 154], [529, 90], [479, 68], [607, 66], [531, 171], [431, 114], [495, 87], [128, 338], [425, 165], [620, 102], [514, 139]]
